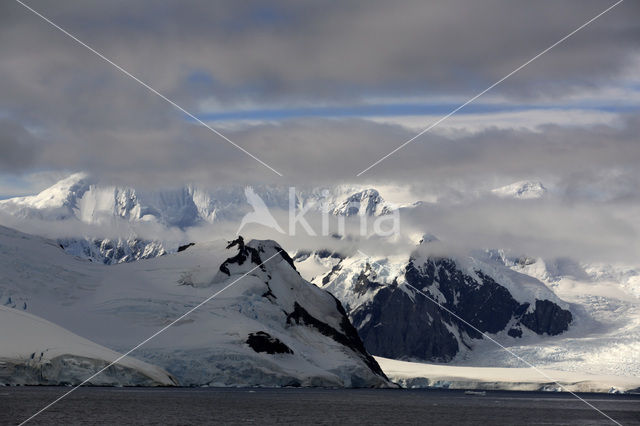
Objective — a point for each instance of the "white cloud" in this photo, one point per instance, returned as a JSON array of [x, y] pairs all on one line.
[[464, 124]]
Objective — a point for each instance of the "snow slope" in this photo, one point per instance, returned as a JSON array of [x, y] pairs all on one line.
[[605, 338], [35, 351], [299, 333], [419, 375]]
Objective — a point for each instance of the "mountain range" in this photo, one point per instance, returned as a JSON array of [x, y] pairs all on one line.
[[424, 303]]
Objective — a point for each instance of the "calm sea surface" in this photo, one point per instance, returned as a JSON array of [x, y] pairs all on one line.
[[145, 406]]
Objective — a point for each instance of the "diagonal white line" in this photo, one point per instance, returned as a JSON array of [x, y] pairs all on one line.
[[146, 86], [162, 330], [509, 351], [440, 120]]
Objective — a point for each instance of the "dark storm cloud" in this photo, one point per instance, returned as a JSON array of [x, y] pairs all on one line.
[[336, 49], [91, 117]]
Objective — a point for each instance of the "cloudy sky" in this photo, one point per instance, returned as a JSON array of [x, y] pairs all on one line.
[[321, 90]]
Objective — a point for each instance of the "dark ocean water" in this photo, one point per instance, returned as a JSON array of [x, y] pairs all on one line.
[[166, 406]]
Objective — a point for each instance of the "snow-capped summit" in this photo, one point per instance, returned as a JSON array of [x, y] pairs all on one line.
[[59, 201], [523, 190], [363, 203], [81, 197]]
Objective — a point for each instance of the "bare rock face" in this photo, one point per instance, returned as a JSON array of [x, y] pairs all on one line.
[[395, 325], [547, 317]]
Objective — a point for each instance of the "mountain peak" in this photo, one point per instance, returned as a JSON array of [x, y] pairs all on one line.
[[367, 202], [524, 190], [62, 192], [57, 201]]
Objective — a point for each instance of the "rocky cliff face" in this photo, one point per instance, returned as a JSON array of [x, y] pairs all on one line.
[[402, 323], [397, 325]]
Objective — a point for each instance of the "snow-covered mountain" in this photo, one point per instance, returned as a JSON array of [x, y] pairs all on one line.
[[579, 317], [37, 352], [270, 327], [556, 313], [367, 202], [523, 190], [82, 197], [395, 321]]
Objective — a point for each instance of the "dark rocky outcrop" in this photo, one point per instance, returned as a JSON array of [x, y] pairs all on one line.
[[363, 284], [263, 342], [515, 332], [112, 251], [327, 278], [301, 255], [487, 306], [244, 252], [184, 247], [547, 318], [269, 293]]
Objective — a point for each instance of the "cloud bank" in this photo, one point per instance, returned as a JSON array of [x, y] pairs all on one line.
[[82, 114], [63, 109]]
